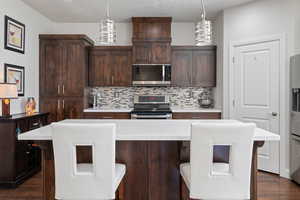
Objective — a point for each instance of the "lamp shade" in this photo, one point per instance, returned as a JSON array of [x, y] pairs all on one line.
[[8, 91]]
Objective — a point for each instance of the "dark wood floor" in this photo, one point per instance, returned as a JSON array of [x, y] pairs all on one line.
[[270, 187]]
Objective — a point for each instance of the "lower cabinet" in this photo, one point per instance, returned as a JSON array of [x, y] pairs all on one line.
[[61, 108], [197, 115], [102, 115], [19, 159]]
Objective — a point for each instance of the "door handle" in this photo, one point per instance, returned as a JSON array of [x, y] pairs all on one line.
[[274, 114], [58, 89]]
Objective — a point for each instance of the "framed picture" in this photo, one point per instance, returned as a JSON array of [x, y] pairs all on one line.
[[15, 74], [14, 38]]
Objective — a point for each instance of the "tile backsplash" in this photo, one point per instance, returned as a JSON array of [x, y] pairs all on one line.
[[122, 97]]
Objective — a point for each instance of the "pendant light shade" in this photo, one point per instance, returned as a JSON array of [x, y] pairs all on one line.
[[203, 30], [107, 29]]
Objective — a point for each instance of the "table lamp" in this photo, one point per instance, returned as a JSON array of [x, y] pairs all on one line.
[[7, 91]]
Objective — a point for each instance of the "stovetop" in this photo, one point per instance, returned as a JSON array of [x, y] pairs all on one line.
[[152, 108]]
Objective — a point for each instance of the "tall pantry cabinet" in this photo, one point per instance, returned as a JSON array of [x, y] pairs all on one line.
[[63, 75]]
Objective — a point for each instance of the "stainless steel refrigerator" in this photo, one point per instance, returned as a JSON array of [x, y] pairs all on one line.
[[295, 118]]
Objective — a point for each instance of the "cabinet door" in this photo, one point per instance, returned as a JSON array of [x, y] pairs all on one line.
[[74, 70], [53, 106], [100, 73], [182, 61], [51, 62], [106, 115], [141, 53], [160, 53], [120, 62], [204, 68], [72, 108], [22, 149]]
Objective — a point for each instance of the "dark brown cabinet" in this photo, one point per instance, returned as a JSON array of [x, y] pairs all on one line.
[[51, 62], [19, 159], [151, 40], [63, 75], [151, 29], [197, 115], [152, 53], [194, 66], [182, 63], [101, 115], [63, 65], [141, 53], [110, 66], [63, 108]]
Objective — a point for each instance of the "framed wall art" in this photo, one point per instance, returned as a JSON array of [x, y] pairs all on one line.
[[15, 74], [14, 38]]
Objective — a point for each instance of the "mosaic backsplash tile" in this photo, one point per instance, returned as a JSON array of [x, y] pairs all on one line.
[[122, 97]]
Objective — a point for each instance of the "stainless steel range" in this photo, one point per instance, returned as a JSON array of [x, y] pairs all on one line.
[[151, 107]]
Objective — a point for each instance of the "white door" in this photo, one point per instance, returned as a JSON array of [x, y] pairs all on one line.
[[256, 94]]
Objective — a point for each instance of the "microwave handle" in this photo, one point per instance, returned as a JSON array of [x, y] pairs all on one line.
[[163, 73]]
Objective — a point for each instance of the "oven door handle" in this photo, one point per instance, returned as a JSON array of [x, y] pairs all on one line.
[[135, 116]]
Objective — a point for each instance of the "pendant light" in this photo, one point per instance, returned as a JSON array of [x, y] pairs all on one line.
[[203, 29], [107, 29]]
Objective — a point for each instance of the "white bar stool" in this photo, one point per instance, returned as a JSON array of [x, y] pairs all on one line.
[[208, 180], [97, 180]]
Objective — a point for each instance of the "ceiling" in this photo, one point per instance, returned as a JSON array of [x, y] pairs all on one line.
[[122, 10]]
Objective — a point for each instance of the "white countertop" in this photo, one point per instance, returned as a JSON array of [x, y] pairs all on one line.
[[146, 130], [174, 109]]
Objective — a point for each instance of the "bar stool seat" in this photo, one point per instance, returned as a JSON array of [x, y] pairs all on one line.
[[185, 171], [120, 170]]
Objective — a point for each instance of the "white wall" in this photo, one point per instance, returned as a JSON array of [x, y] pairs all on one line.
[[182, 33], [35, 24], [255, 20], [218, 29]]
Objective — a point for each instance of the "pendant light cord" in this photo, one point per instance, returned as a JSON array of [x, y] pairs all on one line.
[[107, 8], [203, 10]]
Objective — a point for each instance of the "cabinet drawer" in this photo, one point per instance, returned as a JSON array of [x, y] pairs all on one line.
[[35, 123], [107, 115], [202, 115]]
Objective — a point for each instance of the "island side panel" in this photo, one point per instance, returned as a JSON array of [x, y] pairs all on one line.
[[134, 155]]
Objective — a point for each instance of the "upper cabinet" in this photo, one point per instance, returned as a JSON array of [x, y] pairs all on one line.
[[110, 66], [194, 66], [151, 40], [151, 29], [63, 65], [152, 53]]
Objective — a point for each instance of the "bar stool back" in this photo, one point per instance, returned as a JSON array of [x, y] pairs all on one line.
[[208, 180], [96, 180]]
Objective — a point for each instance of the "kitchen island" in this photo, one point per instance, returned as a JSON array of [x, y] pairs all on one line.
[[152, 152]]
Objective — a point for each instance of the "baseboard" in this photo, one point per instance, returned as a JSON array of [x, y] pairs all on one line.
[[285, 174], [20, 179]]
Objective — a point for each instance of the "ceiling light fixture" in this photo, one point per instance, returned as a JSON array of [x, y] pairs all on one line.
[[203, 29], [107, 29]]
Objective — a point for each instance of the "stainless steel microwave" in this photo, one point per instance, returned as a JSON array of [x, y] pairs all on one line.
[[151, 74]]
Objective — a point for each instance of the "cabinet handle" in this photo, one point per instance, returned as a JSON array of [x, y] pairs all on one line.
[[107, 117], [63, 104], [112, 79], [63, 89], [58, 89], [36, 124], [196, 117], [58, 104]]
